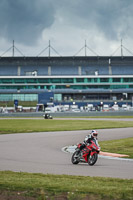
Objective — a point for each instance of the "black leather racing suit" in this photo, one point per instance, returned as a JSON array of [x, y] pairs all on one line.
[[87, 141]]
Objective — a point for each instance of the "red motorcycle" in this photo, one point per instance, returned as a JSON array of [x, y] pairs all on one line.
[[89, 154]]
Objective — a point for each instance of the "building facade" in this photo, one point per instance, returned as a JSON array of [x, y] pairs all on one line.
[[81, 79]]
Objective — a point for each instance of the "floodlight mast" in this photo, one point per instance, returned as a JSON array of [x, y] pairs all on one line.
[[13, 49], [49, 48], [121, 49], [85, 48]]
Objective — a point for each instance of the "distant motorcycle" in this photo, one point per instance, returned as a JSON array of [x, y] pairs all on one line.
[[88, 155], [47, 116]]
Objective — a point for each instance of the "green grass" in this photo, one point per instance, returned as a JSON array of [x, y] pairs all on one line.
[[119, 117], [18, 185], [122, 146], [32, 125], [72, 187]]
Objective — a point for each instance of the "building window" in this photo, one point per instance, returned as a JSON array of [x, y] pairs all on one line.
[[6, 80], [127, 80], [95, 80], [89, 80], [116, 80], [55, 80], [43, 80], [31, 80], [19, 80], [67, 80], [104, 80], [80, 80]]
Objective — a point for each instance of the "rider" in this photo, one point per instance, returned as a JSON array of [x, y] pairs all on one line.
[[92, 136]]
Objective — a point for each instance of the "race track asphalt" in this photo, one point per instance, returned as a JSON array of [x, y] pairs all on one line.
[[42, 153]]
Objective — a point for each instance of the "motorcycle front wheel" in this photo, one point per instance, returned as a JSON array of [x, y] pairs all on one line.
[[75, 158], [92, 159]]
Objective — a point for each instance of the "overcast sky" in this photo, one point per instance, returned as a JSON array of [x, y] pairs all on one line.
[[67, 24]]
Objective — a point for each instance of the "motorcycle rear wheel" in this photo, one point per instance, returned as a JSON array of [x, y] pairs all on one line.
[[75, 159], [92, 159]]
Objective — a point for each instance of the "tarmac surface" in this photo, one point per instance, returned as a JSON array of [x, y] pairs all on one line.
[[42, 153]]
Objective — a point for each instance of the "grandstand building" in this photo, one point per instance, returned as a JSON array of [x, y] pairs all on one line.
[[83, 79]]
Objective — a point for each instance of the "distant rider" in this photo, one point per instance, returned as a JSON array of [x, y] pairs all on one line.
[[87, 141]]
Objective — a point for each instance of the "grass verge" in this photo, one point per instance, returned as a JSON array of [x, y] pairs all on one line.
[[40, 186], [117, 117], [122, 146], [31, 125]]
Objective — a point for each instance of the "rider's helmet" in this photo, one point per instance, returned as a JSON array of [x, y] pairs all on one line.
[[94, 133]]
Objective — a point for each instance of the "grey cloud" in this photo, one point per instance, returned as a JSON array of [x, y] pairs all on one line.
[[112, 18], [24, 20]]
